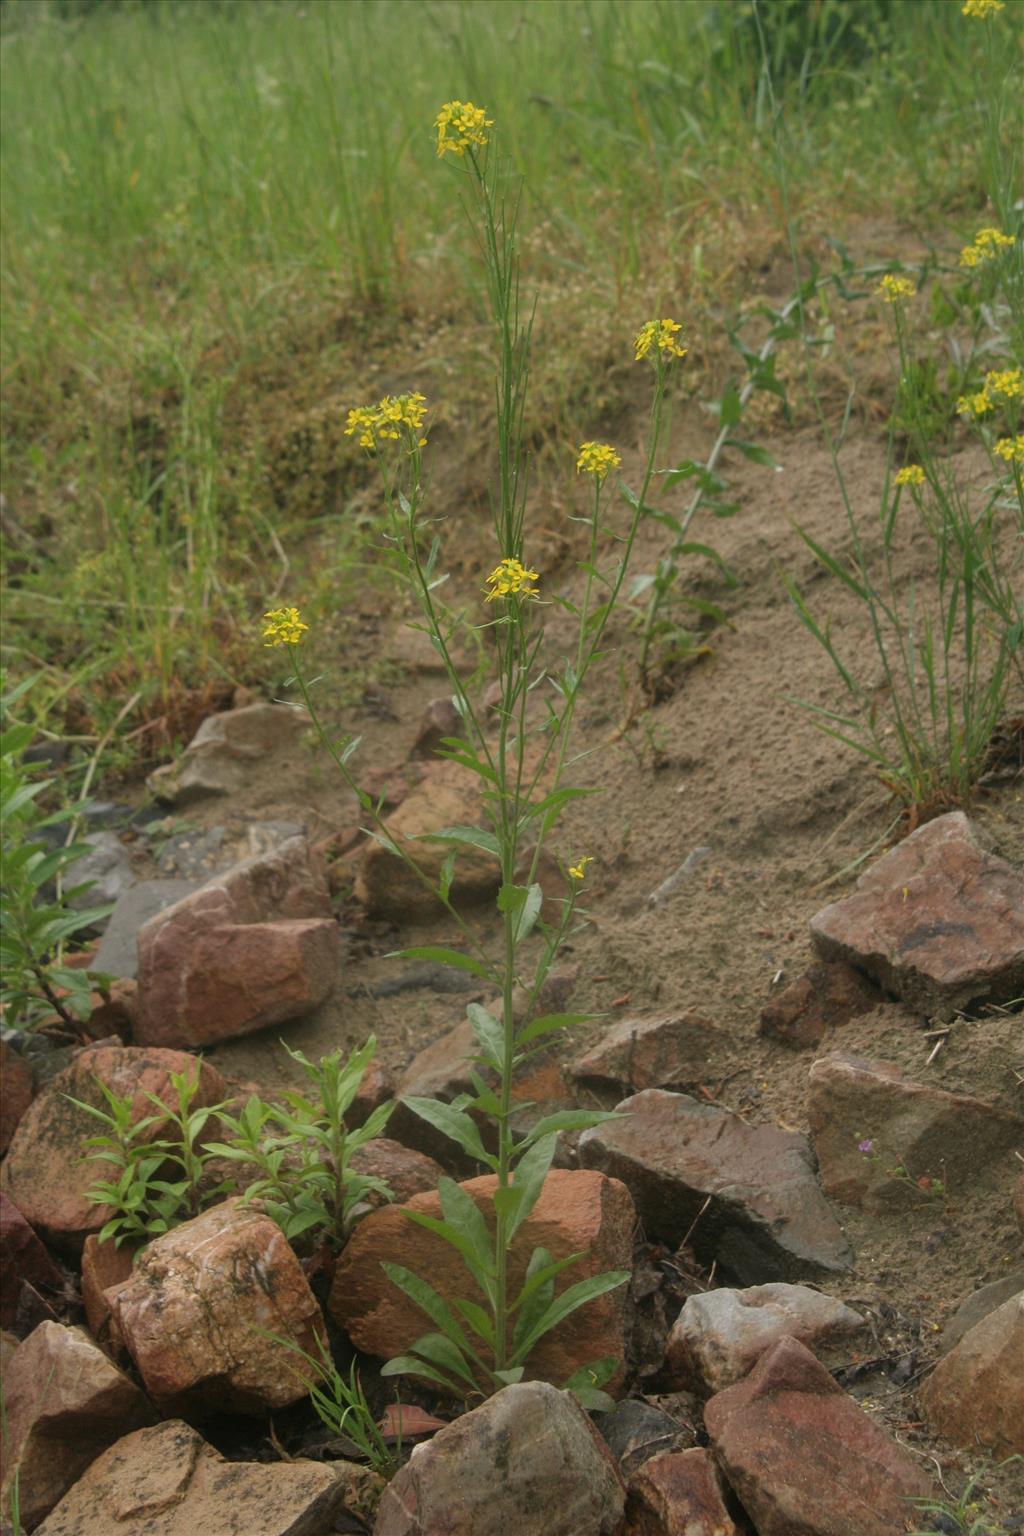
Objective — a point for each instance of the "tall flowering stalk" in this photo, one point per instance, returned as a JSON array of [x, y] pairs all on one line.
[[480, 1344]]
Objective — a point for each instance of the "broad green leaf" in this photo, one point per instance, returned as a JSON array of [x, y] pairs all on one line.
[[566, 1120], [441, 1352], [531, 1171], [549, 1022], [528, 913], [474, 837], [428, 1301], [407, 1365], [575, 1297], [489, 1033], [453, 1123], [479, 1320]]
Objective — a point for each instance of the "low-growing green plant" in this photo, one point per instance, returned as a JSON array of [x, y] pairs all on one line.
[[341, 1406], [301, 1150], [519, 756], [37, 921], [963, 1516], [146, 1197]]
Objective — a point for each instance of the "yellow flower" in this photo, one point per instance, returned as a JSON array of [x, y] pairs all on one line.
[[1007, 384], [511, 579], [1011, 449], [982, 9], [910, 474], [578, 871], [385, 421], [987, 244], [362, 419], [597, 459], [892, 289], [459, 124], [284, 627], [661, 334], [974, 405]]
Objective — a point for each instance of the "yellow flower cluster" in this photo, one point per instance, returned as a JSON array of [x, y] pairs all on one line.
[[578, 871], [1011, 449], [597, 459], [459, 124], [981, 8], [987, 243], [910, 474], [1002, 386], [284, 627], [388, 420], [662, 335], [511, 579], [892, 289]]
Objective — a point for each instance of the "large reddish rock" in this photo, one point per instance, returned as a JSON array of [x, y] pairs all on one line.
[[679, 1494], [450, 796], [938, 920], [104, 1266], [868, 1123], [825, 997], [64, 1403], [23, 1259], [578, 1212], [975, 1395], [804, 1459], [199, 1306], [529, 1460], [17, 1090], [47, 1170], [720, 1335], [167, 1481], [676, 1051], [747, 1194], [254, 946]]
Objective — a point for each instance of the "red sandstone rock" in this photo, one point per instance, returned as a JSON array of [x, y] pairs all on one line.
[[679, 1494], [199, 1305], [675, 1051], [254, 946], [166, 1481], [975, 1395], [804, 1459], [578, 1212], [17, 1090], [767, 1218], [406, 1173], [529, 1461], [22, 1258], [867, 1122], [825, 997], [103, 1266], [64, 1403], [449, 796], [937, 920], [47, 1171]]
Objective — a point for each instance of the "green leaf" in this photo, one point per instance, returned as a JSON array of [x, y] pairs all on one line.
[[407, 1365], [730, 410], [453, 1123], [570, 1301], [453, 957], [752, 451], [441, 1352], [511, 1377], [479, 1320], [528, 913], [489, 1034], [549, 1022], [475, 837], [567, 1120], [428, 1301], [529, 1177], [692, 548]]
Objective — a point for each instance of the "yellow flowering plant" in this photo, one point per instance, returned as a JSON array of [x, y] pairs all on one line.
[[520, 756]]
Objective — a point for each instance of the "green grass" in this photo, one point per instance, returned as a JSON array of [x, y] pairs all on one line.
[[214, 213]]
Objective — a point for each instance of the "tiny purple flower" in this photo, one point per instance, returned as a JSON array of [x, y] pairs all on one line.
[[865, 1147]]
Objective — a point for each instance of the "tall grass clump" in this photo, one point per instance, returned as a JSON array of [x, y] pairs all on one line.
[[520, 762], [950, 648]]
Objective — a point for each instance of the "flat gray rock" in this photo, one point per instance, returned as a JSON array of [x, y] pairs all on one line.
[[118, 954], [746, 1195]]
